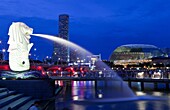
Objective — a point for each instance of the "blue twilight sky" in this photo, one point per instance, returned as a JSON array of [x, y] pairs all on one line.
[[97, 25]]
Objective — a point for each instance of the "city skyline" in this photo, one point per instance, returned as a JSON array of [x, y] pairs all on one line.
[[92, 22]]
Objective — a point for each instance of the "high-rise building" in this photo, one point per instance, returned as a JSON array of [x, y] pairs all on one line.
[[61, 52]]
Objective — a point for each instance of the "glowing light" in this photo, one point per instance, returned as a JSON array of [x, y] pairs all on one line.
[[100, 72], [43, 73], [3, 78], [100, 95], [3, 50], [74, 83], [75, 98], [140, 93], [157, 93], [39, 67]]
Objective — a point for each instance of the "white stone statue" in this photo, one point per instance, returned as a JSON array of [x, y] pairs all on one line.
[[19, 46]]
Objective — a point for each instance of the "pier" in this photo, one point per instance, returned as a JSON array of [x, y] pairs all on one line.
[[128, 80], [143, 81]]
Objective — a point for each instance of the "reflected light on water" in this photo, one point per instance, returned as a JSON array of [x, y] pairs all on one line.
[[75, 98], [100, 95], [158, 106], [60, 83], [77, 107], [74, 83], [82, 90], [141, 105], [82, 83]]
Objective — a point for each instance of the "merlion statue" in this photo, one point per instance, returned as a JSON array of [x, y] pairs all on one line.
[[19, 46]]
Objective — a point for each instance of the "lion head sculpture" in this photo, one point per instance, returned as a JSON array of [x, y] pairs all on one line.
[[19, 46]]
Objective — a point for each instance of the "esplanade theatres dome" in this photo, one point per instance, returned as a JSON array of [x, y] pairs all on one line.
[[135, 52]]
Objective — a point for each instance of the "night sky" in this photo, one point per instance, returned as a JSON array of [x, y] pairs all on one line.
[[97, 25]]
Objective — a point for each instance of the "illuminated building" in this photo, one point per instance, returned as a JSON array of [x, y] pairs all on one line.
[[135, 53], [61, 52]]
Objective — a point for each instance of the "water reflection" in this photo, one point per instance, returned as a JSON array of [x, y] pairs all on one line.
[[58, 82], [138, 105], [88, 90], [83, 90], [142, 105]]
